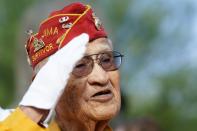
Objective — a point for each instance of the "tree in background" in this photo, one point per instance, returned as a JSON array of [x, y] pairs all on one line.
[[10, 14]]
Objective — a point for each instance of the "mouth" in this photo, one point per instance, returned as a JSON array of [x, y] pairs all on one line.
[[102, 96], [105, 92]]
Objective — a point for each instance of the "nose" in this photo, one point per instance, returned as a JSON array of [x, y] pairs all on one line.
[[98, 76]]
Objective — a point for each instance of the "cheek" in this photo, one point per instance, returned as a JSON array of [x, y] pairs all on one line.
[[115, 81], [73, 95], [72, 98]]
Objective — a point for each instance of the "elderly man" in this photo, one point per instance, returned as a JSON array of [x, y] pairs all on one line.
[[75, 75]]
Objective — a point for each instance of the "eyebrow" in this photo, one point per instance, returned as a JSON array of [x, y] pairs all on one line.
[[101, 52]]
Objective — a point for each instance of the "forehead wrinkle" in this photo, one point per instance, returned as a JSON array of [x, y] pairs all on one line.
[[98, 46]]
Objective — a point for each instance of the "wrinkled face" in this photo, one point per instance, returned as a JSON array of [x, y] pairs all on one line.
[[95, 96]]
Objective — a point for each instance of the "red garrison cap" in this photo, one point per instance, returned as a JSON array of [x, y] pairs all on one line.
[[59, 28]]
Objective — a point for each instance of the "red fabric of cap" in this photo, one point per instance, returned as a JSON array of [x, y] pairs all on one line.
[[60, 27]]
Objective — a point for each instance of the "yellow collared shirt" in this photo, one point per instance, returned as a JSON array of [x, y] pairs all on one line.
[[18, 121]]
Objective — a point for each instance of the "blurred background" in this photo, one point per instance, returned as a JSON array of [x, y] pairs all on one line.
[[157, 37]]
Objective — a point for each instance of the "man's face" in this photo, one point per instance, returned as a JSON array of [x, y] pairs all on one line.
[[95, 96]]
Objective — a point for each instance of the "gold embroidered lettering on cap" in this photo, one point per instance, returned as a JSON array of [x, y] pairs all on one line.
[[97, 21], [38, 44], [42, 51], [50, 31]]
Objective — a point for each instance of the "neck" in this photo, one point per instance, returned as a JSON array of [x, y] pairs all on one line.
[[81, 125]]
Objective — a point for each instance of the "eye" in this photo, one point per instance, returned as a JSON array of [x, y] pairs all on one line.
[[106, 61], [83, 67], [106, 58], [80, 65]]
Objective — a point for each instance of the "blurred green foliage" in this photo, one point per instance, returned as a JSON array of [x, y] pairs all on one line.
[[10, 16], [158, 79]]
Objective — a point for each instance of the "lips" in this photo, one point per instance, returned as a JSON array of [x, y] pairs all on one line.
[[102, 96], [105, 92]]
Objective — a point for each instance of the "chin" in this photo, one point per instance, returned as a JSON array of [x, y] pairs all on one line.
[[109, 113], [104, 112]]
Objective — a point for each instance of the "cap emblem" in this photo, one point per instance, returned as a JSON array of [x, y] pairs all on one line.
[[63, 19], [38, 44], [67, 26], [97, 21]]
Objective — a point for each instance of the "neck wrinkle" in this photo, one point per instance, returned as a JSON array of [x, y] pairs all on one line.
[[83, 125]]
